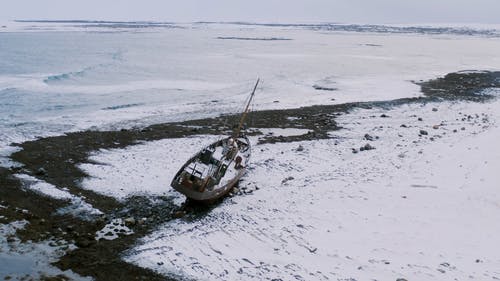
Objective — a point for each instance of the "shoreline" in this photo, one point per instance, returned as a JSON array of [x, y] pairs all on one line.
[[55, 160]]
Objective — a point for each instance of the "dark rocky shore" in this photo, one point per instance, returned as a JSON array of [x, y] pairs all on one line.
[[55, 160]]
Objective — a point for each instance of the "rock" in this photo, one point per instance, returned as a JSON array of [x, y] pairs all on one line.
[[368, 137], [179, 214], [83, 242], [15, 168], [401, 279], [11, 239], [420, 119], [109, 233], [463, 129], [423, 132], [403, 126], [159, 263], [455, 130], [366, 147], [434, 109], [384, 116], [129, 221], [41, 172], [300, 148], [354, 150], [435, 127], [285, 180]]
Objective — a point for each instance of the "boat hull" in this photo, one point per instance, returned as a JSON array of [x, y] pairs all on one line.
[[235, 171]]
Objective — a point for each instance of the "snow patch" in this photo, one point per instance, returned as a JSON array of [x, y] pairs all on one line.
[[113, 230], [143, 169], [284, 132], [78, 205]]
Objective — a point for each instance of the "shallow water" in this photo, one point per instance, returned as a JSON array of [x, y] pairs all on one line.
[[19, 265]]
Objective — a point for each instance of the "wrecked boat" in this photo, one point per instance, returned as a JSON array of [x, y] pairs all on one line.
[[214, 171]]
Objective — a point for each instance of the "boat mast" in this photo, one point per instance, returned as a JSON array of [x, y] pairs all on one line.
[[236, 133]]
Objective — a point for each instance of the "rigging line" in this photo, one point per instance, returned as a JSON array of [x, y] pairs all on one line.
[[236, 133], [252, 111]]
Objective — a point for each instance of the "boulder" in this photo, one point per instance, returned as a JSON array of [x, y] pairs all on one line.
[[366, 147], [129, 221], [41, 172]]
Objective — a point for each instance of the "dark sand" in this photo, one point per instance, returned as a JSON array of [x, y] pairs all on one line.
[[60, 156]]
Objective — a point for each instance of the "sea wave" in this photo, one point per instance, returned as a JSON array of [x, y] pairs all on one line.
[[114, 56], [65, 76], [121, 106]]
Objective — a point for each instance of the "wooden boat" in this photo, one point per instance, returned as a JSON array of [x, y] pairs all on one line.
[[214, 171]]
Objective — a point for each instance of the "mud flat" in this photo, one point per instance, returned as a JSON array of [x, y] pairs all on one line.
[[56, 161]]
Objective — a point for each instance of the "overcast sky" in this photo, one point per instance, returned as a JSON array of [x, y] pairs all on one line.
[[354, 11]]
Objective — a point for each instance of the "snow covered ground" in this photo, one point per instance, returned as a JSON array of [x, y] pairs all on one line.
[[419, 206]]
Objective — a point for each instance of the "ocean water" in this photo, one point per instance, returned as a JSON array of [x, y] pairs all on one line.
[[63, 77], [54, 82]]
